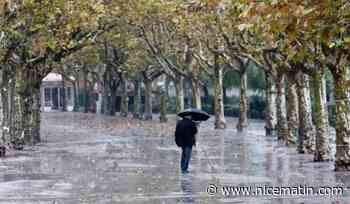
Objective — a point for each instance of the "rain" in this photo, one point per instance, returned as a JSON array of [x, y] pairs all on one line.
[[101, 159]]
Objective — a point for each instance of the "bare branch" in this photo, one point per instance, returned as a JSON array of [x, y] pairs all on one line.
[[206, 66]]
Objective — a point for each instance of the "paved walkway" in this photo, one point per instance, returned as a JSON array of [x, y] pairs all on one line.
[[91, 159]]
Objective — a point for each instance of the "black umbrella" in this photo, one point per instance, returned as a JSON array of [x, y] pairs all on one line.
[[196, 114]]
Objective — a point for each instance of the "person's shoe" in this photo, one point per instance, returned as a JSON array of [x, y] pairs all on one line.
[[185, 172]]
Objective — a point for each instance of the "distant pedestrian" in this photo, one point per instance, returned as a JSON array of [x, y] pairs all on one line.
[[185, 132]]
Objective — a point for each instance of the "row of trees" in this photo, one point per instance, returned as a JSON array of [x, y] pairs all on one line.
[[35, 36], [114, 43]]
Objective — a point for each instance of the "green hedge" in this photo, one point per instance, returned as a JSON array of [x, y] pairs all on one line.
[[256, 108]]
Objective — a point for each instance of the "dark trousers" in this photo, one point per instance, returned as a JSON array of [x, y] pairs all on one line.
[[185, 158]]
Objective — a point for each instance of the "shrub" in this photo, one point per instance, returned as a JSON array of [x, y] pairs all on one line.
[[256, 108], [232, 110]]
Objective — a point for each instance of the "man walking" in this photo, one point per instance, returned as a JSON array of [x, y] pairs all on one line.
[[185, 132]]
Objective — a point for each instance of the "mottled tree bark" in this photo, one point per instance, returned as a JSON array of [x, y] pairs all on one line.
[[12, 110], [6, 88], [99, 100], [27, 109], [220, 122], [17, 129], [196, 93], [137, 100], [23, 112], [306, 140], [100, 89], [4, 107], [148, 100], [180, 95], [270, 112], [1, 98], [36, 119], [163, 107], [64, 98], [167, 85], [76, 95], [124, 108], [106, 102], [341, 91], [243, 103], [99, 103], [2, 142], [322, 151], [282, 126], [292, 110]]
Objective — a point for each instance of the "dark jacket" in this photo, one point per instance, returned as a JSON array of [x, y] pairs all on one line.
[[185, 133]]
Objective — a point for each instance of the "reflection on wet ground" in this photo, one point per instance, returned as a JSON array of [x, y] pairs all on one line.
[[94, 159]]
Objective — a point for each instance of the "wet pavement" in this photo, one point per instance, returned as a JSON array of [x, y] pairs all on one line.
[[96, 159]]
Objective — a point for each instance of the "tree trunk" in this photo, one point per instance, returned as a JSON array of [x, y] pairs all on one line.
[[167, 85], [243, 103], [137, 100], [270, 112], [36, 114], [220, 122], [148, 100], [86, 97], [6, 88], [4, 118], [100, 90], [292, 110], [105, 100], [2, 141], [27, 109], [106, 94], [12, 109], [99, 103], [76, 97], [163, 107], [196, 93], [17, 128], [282, 127], [206, 92], [1, 103], [341, 89], [124, 108], [113, 97], [322, 150], [23, 112], [180, 96], [306, 141], [64, 98]]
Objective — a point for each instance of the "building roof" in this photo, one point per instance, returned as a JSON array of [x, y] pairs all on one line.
[[54, 77]]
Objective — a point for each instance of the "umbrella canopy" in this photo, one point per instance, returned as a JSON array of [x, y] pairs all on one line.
[[196, 114]]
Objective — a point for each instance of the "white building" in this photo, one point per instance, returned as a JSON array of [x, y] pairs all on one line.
[[52, 93]]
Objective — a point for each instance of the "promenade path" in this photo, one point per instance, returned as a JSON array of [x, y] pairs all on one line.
[[86, 158]]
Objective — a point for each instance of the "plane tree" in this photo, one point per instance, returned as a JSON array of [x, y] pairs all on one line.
[[47, 31], [316, 37]]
